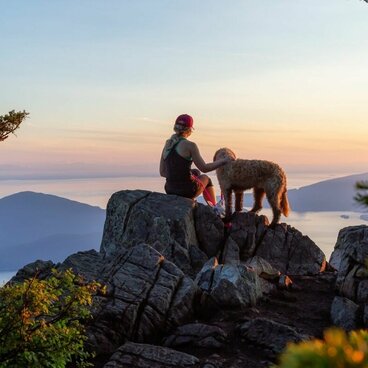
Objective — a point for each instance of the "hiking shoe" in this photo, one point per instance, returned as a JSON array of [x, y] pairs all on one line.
[[219, 208]]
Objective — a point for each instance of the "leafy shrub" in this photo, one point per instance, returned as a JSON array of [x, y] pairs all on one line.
[[337, 350], [40, 321]]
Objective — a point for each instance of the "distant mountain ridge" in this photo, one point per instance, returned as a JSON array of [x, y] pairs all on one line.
[[328, 195], [36, 225]]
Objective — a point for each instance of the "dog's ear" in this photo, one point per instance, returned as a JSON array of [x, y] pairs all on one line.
[[232, 154], [220, 153], [227, 152]]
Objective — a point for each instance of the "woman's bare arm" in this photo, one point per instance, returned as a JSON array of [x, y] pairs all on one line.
[[201, 164], [162, 166]]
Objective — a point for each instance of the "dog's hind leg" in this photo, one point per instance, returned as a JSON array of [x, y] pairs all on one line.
[[239, 195], [258, 194], [274, 201], [284, 203]]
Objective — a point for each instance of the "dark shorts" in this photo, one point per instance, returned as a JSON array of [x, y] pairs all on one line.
[[188, 189]]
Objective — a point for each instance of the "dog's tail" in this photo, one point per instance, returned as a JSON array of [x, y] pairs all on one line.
[[285, 207]]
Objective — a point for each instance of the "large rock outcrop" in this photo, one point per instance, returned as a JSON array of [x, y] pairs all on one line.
[[188, 234], [164, 222], [167, 261]]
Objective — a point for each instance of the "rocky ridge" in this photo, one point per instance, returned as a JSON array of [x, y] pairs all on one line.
[[183, 290]]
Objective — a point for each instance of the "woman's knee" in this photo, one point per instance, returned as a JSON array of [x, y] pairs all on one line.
[[206, 180]]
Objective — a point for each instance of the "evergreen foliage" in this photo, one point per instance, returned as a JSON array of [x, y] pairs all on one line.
[[42, 321], [362, 196], [10, 122]]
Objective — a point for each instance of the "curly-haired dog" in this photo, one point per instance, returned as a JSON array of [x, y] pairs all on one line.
[[264, 177]]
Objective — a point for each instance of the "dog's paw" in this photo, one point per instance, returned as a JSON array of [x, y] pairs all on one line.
[[278, 225], [272, 225]]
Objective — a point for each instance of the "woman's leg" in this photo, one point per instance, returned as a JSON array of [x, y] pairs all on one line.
[[206, 187]]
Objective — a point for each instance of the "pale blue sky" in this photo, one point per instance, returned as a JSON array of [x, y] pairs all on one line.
[[285, 80]]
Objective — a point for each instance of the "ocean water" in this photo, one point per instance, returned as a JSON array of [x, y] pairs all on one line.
[[94, 191], [97, 191], [321, 227]]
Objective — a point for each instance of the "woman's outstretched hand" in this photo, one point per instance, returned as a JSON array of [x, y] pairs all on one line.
[[226, 160]]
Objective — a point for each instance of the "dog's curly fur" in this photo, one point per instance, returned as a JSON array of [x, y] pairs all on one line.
[[264, 177]]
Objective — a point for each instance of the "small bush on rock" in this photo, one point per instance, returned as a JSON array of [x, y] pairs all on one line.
[[337, 350], [40, 321]]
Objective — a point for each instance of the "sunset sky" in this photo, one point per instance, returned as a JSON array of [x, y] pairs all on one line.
[[284, 80]]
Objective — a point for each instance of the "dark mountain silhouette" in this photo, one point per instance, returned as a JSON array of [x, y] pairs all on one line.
[[41, 226]]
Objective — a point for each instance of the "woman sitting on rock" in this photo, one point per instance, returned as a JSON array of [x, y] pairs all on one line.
[[176, 160]]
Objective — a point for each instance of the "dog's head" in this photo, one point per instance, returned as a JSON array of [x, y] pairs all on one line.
[[224, 153]]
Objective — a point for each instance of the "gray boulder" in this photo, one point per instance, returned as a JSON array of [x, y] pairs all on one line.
[[285, 248], [165, 222], [270, 334], [118, 210], [88, 264], [365, 315], [231, 252], [39, 268], [146, 297], [362, 293], [291, 252], [263, 268], [352, 242], [269, 277], [350, 257], [133, 355], [228, 285], [197, 334], [345, 313], [247, 230], [209, 230]]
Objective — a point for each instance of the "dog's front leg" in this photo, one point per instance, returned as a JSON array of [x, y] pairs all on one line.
[[239, 194], [228, 204]]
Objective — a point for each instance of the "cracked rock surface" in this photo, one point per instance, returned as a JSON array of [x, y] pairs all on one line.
[[164, 222], [350, 258], [272, 335], [178, 279], [132, 355], [146, 296], [197, 334]]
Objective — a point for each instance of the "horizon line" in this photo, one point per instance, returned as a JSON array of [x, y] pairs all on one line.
[[71, 176]]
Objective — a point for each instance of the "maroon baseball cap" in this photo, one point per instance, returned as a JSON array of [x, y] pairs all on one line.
[[185, 120]]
